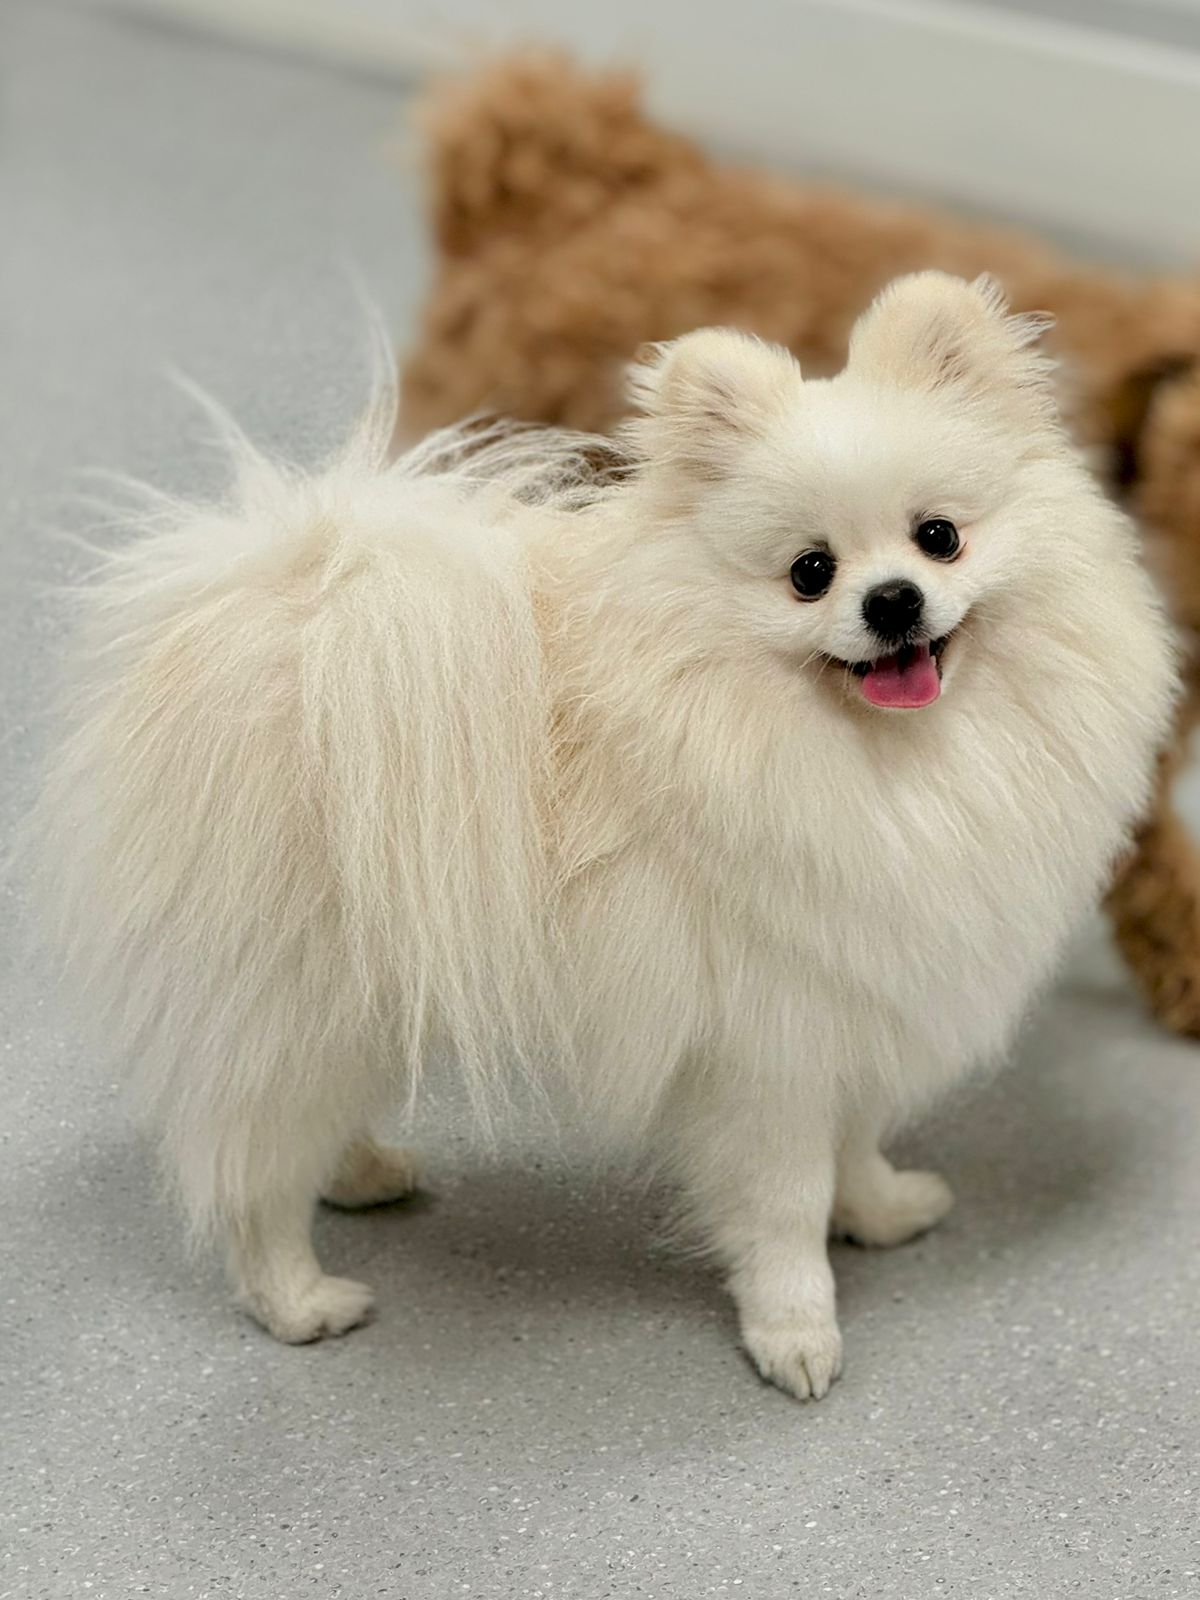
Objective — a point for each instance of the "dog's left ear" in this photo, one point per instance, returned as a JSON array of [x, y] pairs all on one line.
[[937, 332], [707, 395]]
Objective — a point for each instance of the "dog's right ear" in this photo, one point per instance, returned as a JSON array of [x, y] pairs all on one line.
[[703, 397]]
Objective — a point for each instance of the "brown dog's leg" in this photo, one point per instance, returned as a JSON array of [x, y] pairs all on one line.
[[1155, 901]]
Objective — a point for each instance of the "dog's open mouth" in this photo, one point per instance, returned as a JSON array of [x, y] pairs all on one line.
[[905, 681]]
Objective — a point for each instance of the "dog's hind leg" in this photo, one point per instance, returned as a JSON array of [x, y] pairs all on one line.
[[253, 1149], [279, 1279], [371, 1174], [268, 1228], [274, 1267]]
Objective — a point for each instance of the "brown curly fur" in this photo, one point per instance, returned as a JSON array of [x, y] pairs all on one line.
[[571, 229]]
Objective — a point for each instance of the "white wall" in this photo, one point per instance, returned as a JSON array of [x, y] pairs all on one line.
[[1080, 115]]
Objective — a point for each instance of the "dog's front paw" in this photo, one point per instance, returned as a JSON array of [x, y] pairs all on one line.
[[324, 1306], [800, 1354], [908, 1204]]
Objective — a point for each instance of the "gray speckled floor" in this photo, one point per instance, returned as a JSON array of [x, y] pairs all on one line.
[[547, 1404]]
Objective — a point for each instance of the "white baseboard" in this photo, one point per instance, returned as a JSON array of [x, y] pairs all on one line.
[[1037, 114]]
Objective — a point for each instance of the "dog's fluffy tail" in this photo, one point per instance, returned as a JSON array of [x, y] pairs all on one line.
[[295, 833], [532, 140]]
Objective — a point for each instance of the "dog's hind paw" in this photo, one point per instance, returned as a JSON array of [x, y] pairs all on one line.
[[371, 1174], [325, 1306]]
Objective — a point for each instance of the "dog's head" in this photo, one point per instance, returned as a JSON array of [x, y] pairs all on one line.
[[860, 527]]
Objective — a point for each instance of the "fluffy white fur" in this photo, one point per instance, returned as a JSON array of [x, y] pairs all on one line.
[[466, 750]]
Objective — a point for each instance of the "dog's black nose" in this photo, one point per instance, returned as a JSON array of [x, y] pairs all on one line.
[[893, 609]]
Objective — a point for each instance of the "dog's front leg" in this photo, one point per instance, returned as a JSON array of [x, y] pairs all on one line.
[[758, 1165]]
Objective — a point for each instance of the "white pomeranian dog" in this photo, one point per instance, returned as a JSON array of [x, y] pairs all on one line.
[[756, 784]]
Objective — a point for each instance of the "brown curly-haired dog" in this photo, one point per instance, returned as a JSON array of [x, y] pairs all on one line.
[[571, 229]]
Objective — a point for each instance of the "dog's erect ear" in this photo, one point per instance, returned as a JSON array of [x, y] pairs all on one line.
[[933, 331], [707, 395]]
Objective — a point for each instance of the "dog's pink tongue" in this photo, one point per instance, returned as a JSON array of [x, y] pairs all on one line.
[[903, 682]]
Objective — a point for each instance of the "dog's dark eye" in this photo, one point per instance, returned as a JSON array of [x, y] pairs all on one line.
[[812, 573], [938, 537]]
